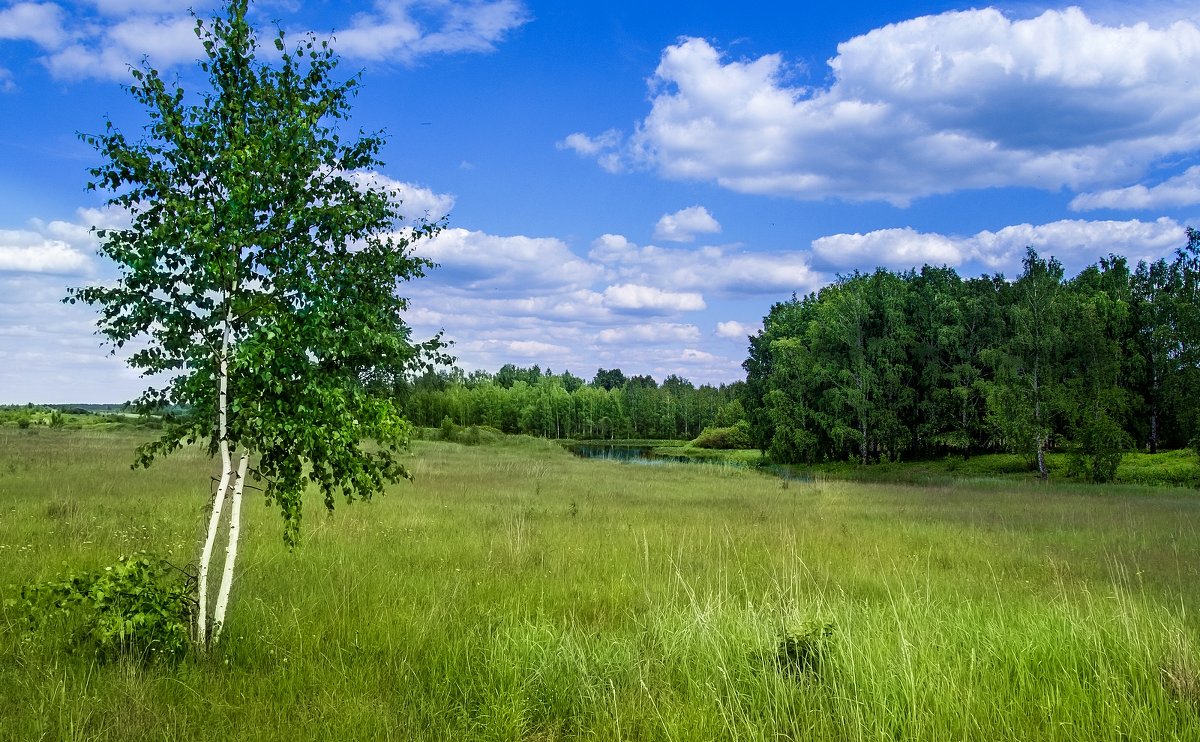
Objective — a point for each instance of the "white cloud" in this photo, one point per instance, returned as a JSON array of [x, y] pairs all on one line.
[[7, 85], [125, 7], [57, 247], [611, 248], [474, 261], [632, 297], [931, 105], [416, 202], [1181, 190], [109, 51], [663, 332], [720, 270], [904, 247], [693, 363], [103, 44], [536, 350], [734, 330], [409, 30], [1076, 243], [28, 252], [40, 23], [685, 224], [590, 146], [50, 349]]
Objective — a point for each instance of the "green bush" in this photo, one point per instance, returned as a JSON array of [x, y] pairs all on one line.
[[141, 608], [735, 436], [1100, 445]]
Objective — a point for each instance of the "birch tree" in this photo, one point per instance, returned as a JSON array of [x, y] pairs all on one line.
[[1026, 396], [258, 278]]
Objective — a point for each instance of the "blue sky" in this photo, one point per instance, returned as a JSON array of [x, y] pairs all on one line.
[[634, 184]]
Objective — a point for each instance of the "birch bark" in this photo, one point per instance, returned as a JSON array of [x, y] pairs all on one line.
[[235, 518], [214, 520]]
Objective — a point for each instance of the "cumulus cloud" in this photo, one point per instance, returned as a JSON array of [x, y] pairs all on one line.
[[685, 224], [1181, 190], [58, 247], [416, 202], [475, 261], [724, 271], [903, 247], [28, 252], [41, 23], [1076, 243], [108, 51], [632, 297], [103, 42], [935, 104], [734, 330]]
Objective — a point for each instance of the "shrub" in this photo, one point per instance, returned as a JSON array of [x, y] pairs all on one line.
[[141, 608], [806, 653], [448, 428], [735, 436], [1101, 443]]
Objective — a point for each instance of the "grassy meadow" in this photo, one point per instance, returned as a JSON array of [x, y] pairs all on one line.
[[514, 592]]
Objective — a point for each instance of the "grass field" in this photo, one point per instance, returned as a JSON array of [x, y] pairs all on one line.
[[514, 592]]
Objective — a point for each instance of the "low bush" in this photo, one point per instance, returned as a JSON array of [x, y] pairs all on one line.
[[140, 608], [735, 436]]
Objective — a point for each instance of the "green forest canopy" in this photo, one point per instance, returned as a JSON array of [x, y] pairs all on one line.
[[885, 365]]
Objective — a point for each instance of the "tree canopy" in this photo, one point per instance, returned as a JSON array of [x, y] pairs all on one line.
[[888, 365]]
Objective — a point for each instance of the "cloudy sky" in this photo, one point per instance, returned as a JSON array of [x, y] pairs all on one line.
[[634, 184]]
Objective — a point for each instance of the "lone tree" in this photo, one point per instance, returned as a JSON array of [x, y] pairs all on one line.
[[258, 277]]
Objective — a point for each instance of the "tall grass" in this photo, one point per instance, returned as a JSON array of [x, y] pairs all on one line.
[[515, 592]]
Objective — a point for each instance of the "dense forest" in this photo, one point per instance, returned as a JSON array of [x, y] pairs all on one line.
[[885, 365], [537, 402]]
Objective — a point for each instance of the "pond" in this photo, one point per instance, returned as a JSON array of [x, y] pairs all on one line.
[[626, 454]]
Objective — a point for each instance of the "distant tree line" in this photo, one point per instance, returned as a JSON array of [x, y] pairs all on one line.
[[887, 365], [542, 403]]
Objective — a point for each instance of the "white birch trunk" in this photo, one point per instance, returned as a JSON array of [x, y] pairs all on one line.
[[214, 519], [235, 517]]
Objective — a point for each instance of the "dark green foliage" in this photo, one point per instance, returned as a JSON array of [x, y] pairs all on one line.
[[1100, 446], [805, 655], [561, 406], [139, 608], [608, 379], [735, 436], [1026, 397], [883, 366]]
